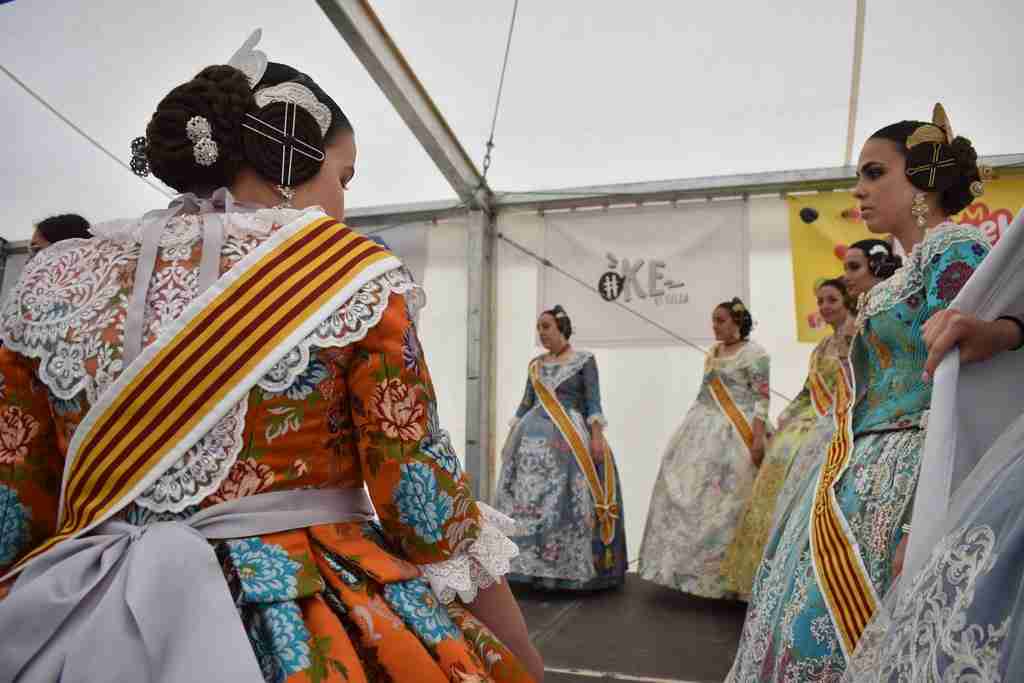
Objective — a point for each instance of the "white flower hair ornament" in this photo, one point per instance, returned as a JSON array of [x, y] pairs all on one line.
[[204, 147]]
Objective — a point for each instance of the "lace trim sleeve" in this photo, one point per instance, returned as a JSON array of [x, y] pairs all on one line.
[[482, 566]]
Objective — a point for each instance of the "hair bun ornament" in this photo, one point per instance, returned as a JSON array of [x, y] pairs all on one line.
[[249, 60], [932, 164], [284, 137], [204, 147], [139, 162], [985, 174]]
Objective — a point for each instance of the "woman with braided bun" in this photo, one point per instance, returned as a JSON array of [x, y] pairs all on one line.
[[710, 464], [220, 451], [834, 557], [558, 477], [866, 263]]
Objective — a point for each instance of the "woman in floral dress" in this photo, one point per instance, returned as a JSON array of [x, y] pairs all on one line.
[[709, 467], [956, 611], [804, 427], [568, 536], [236, 542], [828, 564]]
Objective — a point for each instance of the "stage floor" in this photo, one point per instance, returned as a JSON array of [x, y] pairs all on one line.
[[641, 632]]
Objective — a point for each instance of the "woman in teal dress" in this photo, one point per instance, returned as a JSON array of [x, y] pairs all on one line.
[[831, 559]]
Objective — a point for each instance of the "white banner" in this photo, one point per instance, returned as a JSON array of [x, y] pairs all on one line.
[[672, 265]]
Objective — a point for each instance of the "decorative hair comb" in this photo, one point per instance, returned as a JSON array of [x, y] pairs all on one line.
[[249, 60]]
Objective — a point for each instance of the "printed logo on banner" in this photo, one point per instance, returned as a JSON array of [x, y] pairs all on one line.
[[992, 223], [631, 280]]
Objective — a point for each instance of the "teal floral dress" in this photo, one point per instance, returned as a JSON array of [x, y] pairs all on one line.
[[789, 634]]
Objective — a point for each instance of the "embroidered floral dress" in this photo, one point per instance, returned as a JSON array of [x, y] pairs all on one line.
[[544, 490], [705, 479], [789, 633], [351, 405], [792, 452]]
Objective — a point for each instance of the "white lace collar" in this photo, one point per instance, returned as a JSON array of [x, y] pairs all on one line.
[[909, 279], [563, 371]]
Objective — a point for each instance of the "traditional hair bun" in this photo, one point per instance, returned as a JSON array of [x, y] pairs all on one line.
[[562, 320], [265, 154], [882, 261], [222, 96], [740, 315], [959, 196]]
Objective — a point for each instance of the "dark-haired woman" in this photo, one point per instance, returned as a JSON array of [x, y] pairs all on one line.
[[867, 263], [803, 429], [837, 557], [558, 479], [55, 229], [710, 464], [192, 407]]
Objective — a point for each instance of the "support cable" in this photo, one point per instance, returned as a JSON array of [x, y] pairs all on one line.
[[497, 101], [71, 124]]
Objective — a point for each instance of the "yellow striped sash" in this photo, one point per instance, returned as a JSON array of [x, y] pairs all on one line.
[[606, 505], [843, 579], [210, 358], [729, 408]]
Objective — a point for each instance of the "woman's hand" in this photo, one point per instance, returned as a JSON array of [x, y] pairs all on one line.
[[978, 339]]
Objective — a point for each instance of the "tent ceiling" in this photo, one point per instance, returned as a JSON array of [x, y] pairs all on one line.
[[595, 93]]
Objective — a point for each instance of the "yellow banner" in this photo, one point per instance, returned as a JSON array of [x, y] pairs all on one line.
[[818, 246]]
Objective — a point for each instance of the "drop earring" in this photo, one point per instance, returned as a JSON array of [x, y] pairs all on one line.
[[288, 193], [920, 209]]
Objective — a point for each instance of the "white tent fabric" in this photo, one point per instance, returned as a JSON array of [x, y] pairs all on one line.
[[595, 93]]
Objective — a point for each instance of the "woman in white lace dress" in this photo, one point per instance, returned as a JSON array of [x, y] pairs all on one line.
[[709, 467], [558, 479]]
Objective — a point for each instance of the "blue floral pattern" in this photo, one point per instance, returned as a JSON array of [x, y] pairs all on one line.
[[14, 525], [283, 639], [421, 504], [306, 383], [262, 649], [421, 610], [266, 572]]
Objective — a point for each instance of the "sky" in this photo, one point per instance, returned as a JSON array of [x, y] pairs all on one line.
[[595, 92]]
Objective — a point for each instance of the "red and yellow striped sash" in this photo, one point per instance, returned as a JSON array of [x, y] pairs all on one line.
[[606, 505], [222, 345], [821, 396], [842, 577], [728, 407]]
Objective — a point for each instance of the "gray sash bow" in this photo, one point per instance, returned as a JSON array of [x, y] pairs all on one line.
[[149, 603]]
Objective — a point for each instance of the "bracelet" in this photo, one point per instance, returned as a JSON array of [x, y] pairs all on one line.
[[1020, 327], [905, 528]]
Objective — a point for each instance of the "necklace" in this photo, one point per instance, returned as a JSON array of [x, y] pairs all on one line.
[[556, 356]]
